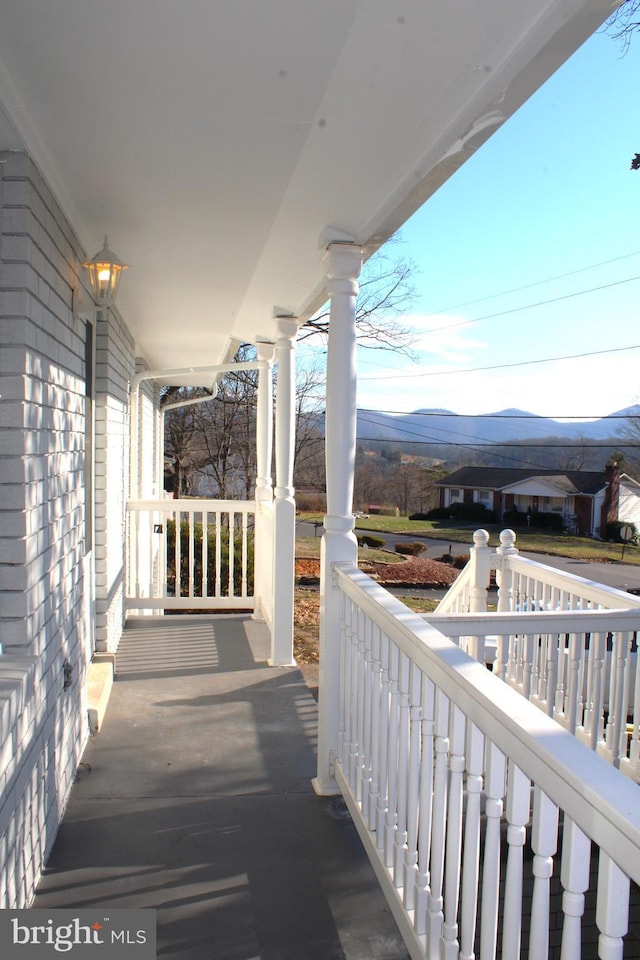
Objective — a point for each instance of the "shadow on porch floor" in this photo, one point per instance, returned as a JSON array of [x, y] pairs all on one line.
[[195, 800]]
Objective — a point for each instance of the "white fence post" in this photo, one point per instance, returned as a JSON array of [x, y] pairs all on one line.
[[480, 564]]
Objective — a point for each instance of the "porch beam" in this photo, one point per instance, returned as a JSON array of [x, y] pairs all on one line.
[[284, 508], [343, 262]]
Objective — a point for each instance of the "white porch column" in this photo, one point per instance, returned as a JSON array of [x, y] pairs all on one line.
[[263, 562], [343, 264], [284, 508]]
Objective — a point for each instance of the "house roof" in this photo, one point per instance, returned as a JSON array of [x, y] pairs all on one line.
[[498, 478], [222, 145]]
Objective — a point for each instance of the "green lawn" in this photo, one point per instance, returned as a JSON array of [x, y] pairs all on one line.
[[309, 548], [558, 544]]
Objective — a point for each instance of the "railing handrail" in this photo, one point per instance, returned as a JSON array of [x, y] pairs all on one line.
[[598, 592], [196, 505], [597, 797], [510, 563], [538, 621]]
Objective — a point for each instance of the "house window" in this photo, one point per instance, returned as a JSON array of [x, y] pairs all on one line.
[[483, 497], [455, 495]]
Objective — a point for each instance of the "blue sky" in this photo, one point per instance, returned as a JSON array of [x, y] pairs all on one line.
[[550, 195]]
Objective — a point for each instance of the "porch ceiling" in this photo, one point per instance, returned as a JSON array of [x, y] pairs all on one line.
[[215, 142]]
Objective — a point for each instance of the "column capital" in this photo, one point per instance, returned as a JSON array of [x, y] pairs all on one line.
[[265, 350], [286, 327], [343, 261]]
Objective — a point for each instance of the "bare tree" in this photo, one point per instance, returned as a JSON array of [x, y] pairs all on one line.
[[386, 292], [624, 22], [621, 25], [213, 444]]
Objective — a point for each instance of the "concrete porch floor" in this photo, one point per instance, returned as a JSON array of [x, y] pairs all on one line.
[[195, 800]]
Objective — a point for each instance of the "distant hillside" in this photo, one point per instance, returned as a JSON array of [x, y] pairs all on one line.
[[446, 427]]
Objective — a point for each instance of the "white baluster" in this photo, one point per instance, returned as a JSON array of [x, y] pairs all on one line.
[[500, 662], [634, 745], [376, 685], [435, 917], [343, 694], [544, 838], [573, 687], [612, 909], [425, 815], [231, 546], [518, 788], [178, 553], [400, 840], [626, 695], [354, 746], [348, 666], [471, 864], [413, 790], [192, 556], [450, 945], [617, 714], [574, 875], [359, 705], [366, 767], [218, 554], [392, 757], [527, 664], [559, 707], [204, 553], [494, 785], [383, 740]]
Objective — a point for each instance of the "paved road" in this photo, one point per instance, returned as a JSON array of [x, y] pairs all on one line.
[[623, 576]]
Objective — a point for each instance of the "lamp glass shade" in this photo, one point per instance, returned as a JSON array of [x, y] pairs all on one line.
[[104, 270]]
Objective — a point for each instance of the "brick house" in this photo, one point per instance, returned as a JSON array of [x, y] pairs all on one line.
[[586, 500]]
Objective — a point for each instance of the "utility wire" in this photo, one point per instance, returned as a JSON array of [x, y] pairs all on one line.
[[537, 283], [502, 366], [530, 306]]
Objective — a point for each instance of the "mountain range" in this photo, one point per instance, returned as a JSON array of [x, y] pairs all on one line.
[[444, 426]]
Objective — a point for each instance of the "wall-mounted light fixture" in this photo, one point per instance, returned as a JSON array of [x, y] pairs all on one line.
[[104, 270]]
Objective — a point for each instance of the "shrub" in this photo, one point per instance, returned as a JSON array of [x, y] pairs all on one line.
[[212, 570], [538, 520], [438, 513], [311, 501], [612, 530], [459, 560], [410, 549], [367, 540], [472, 511]]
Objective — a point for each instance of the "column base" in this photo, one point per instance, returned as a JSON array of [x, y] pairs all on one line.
[[323, 788]]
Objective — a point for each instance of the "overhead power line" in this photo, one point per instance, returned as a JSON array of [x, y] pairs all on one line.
[[495, 444], [502, 366], [530, 306], [537, 283]]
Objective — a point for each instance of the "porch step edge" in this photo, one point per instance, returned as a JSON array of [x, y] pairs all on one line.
[[99, 684]]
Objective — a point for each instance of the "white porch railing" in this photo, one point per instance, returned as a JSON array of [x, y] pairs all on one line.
[[190, 555], [469, 800], [567, 644], [523, 584], [578, 667]]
